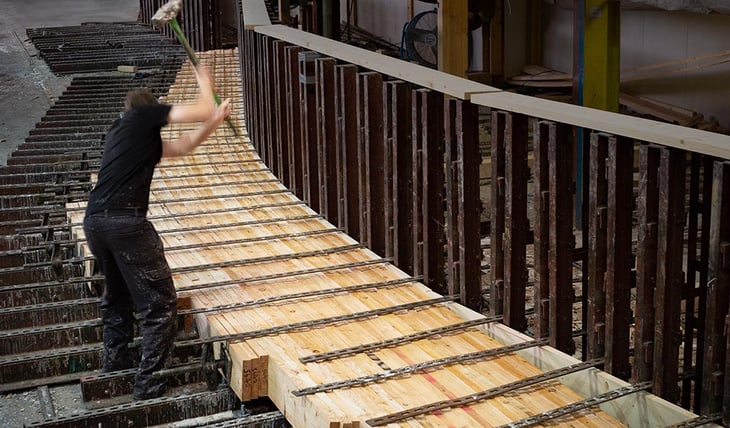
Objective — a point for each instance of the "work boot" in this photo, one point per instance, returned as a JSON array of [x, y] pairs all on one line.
[[152, 388], [116, 359]]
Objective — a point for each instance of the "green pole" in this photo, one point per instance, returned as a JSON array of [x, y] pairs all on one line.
[[194, 60]]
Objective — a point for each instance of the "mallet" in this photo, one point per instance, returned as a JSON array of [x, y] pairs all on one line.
[[167, 14]]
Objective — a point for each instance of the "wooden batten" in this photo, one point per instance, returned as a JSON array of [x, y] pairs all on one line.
[[420, 75]]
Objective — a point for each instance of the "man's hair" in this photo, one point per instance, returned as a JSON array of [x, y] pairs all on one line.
[[139, 97]]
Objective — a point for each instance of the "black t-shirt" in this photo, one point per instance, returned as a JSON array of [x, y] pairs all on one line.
[[132, 148]]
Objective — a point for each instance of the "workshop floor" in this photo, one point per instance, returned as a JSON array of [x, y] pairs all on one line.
[[27, 90], [27, 87]]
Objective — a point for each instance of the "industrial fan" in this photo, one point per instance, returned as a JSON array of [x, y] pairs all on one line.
[[420, 39]]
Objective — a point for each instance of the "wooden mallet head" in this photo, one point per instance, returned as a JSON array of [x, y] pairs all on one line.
[[166, 13]]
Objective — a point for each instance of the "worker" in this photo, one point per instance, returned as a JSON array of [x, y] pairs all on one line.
[[127, 249]]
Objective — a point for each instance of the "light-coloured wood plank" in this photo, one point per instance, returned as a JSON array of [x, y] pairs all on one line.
[[255, 13], [695, 140], [419, 75]]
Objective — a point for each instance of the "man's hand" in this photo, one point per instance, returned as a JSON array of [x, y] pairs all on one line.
[[204, 107], [222, 113], [189, 141]]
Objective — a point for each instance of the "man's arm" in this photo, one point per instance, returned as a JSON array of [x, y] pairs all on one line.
[[190, 140], [204, 106]]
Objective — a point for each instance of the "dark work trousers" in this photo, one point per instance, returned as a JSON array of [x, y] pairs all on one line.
[[130, 254]]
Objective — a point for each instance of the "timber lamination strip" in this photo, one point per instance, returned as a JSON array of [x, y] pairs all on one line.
[[581, 405], [214, 243], [420, 367], [175, 215], [284, 275], [305, 325], [301, 295], [369, 347], [82, 282], [19, 335], [484, 395]]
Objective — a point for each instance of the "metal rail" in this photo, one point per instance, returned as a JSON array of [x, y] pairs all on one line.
[[369, 347], [304, 325], [364, 380], [158, 217]]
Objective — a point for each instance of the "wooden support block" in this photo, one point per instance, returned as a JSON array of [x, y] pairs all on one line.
[[185, 302], [127, 68]]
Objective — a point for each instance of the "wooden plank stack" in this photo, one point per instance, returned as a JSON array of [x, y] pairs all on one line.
[[234, 234]]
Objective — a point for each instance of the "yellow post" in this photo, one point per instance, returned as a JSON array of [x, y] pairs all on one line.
[[602, 54], [453, 44]]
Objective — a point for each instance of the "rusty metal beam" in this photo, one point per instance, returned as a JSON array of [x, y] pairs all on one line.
[[646, 262], [553, 234], [308, 118], [149, 412], [463, 203], [543, 131], [293, 109], [326, 138], [695, 287], [497, 219], [516, 224], [389, 170], [715, 379], [346, 142], [372, 160], [49, 313], [703, 270], [246, 45], [618, 281], [561, 245], [272, 141], [103, 386], [400, 103], [428, 178], [668, 294], [282, 119], [597, 247]]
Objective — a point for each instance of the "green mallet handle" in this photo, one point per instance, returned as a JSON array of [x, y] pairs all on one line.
[[194, 59]]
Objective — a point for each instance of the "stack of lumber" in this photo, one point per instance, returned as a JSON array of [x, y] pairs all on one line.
[[541, 77], [670, 113], [291, 286]]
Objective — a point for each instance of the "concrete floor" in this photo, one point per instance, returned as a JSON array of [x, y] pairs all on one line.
[[27, 87], [27, 90]]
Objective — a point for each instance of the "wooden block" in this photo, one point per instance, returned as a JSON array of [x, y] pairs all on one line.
[[264, 371], [127, 68], [185, 302]]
